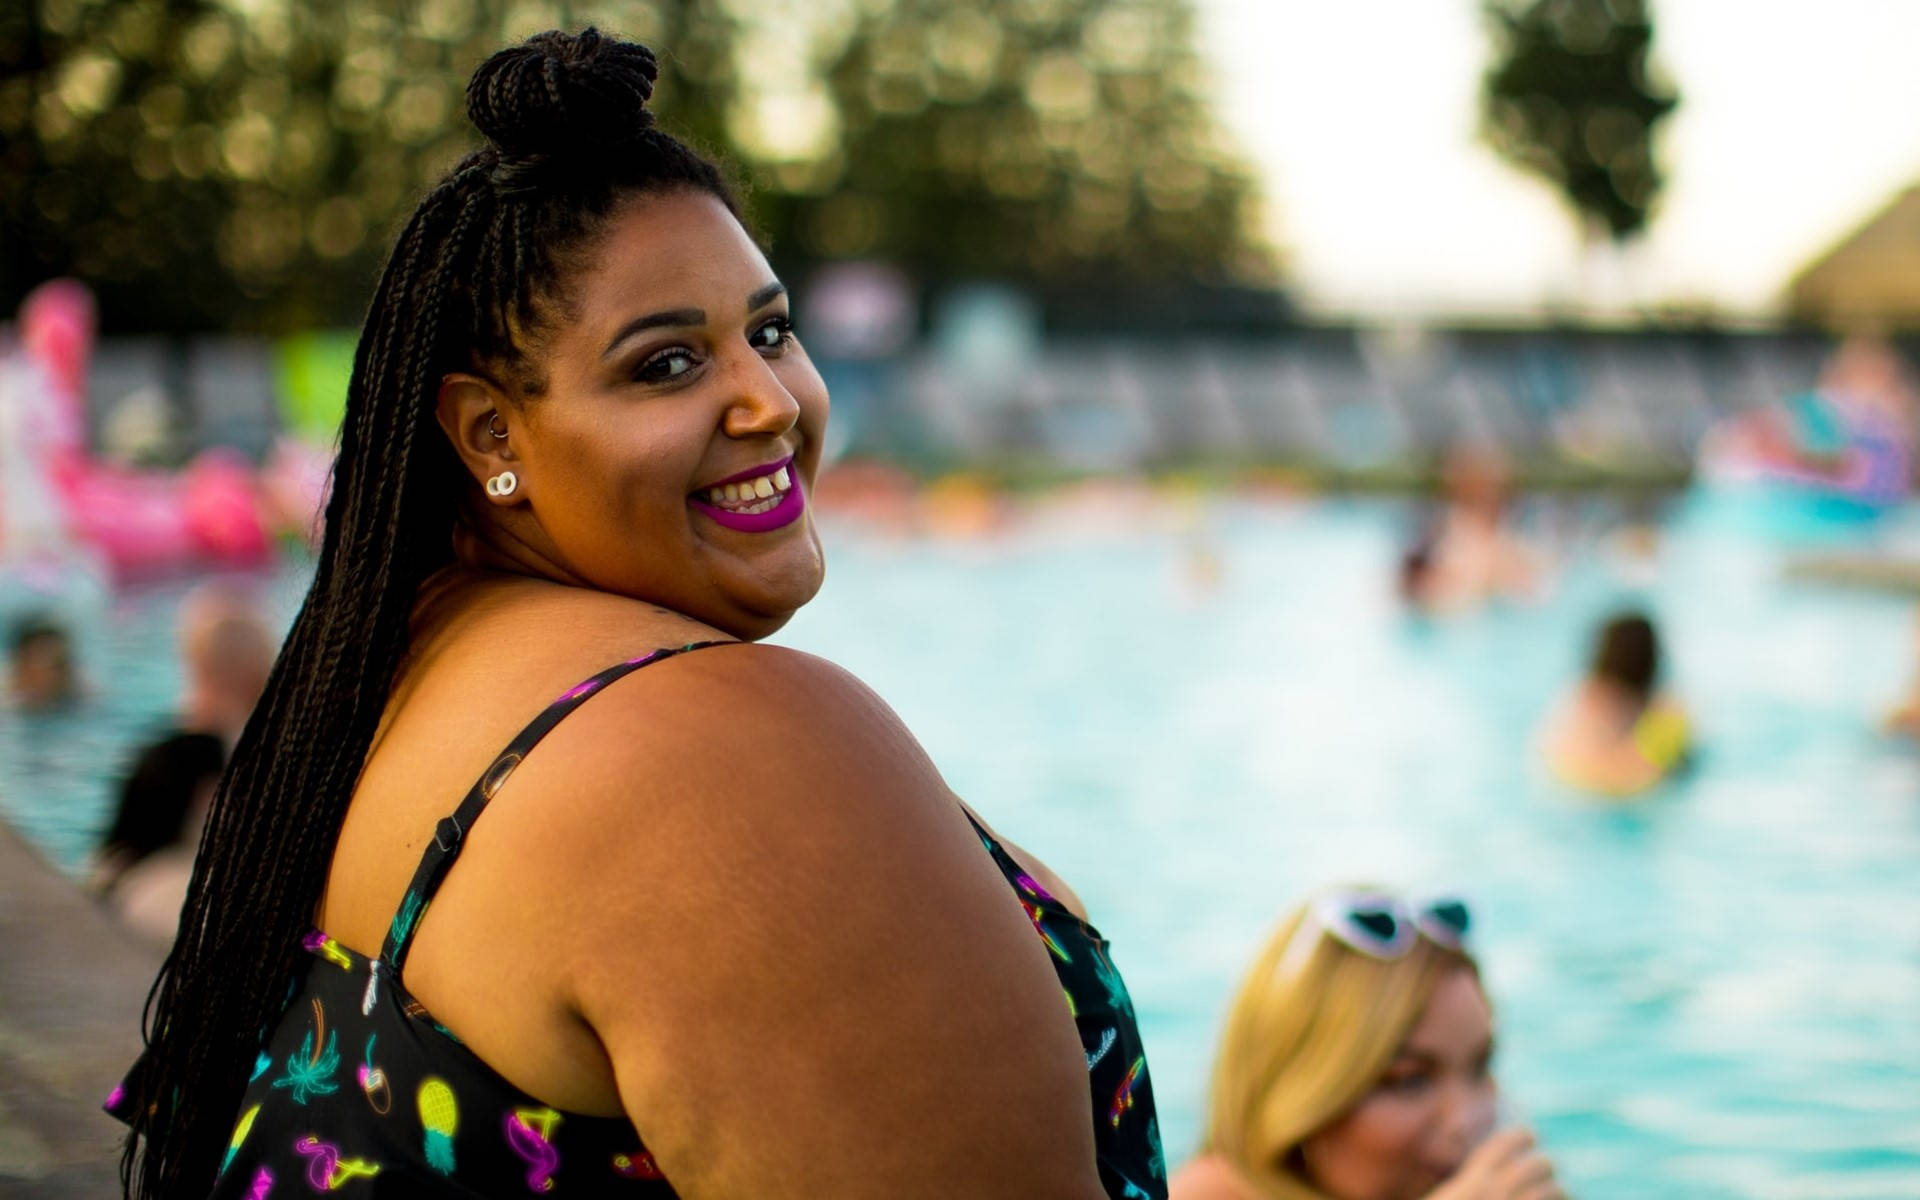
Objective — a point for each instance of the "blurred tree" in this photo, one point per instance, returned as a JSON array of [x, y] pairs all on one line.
[[1572, 97], [241, 163], [1030, 139]]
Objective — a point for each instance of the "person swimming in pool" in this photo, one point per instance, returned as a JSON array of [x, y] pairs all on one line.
[[1615, 734], [1467, 555], [710, 923], [41, 676], [1355, 1064], [145, 857]]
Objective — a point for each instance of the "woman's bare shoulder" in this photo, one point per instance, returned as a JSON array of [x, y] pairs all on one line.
[[727, 718]]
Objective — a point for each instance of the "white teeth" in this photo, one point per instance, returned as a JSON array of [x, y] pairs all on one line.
[[762, 493]]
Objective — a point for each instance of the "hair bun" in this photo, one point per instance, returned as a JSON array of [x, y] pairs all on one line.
[[559, 91]]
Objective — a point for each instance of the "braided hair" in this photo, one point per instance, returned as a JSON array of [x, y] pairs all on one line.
[[476, 274]]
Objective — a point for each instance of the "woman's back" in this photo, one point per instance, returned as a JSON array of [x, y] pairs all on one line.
[[474, 680], [487, 1017]]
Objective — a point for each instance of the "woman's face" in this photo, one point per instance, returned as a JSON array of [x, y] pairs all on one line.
[[1435, 1103], [673, 455]]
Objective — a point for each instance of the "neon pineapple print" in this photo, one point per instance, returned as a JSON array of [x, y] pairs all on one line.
[[440, 1118]]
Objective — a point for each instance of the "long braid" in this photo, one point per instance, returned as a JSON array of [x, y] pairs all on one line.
[[464, 288], [236, 911]]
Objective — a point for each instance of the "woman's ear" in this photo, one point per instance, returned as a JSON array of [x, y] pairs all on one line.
[[473, 413]]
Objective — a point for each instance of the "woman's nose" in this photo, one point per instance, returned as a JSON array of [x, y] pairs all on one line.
[[761, 405], [1467, 1112]]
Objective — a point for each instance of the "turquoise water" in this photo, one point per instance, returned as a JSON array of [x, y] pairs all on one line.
[[1714, 993]]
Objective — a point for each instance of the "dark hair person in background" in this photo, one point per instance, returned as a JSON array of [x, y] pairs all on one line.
[[715, 895], [146, 856], [1615, 734], [40, 671]]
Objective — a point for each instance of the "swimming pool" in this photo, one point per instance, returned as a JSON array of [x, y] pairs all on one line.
[[1715, 993]]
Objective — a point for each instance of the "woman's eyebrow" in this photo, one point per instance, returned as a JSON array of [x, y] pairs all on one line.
[[766, 295], [681, 318], [678, 317]]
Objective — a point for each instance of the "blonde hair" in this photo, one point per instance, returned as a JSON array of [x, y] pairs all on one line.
[[1311, 1031]]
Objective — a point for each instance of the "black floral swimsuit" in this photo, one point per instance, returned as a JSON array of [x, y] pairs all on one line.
[[359, 1089]]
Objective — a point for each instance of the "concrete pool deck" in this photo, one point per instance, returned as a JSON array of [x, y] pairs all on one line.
[[71, 987]]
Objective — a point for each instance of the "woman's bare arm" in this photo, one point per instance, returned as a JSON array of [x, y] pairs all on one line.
[[809, 977]]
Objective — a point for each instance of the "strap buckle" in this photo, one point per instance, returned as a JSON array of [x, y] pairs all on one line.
[[447, 835]]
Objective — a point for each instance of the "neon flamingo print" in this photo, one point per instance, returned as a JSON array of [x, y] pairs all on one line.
[[262, 1184], [530, 1135], [326, 1170], [1123, 1096]]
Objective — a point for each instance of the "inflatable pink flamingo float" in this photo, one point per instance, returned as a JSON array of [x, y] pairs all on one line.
[[143, 523]]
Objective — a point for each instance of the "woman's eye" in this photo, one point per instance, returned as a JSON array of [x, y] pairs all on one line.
[[1412, 1082], [665, 365], [773, 334]]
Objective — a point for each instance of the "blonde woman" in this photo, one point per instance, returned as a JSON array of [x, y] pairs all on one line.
[[1354, 1066]]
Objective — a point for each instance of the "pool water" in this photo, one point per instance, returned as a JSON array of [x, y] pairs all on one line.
[[1714, 992]]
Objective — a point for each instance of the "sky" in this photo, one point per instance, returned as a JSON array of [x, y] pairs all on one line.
[[1797, 122]]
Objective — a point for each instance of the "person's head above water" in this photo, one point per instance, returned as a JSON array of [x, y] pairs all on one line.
[[226, 653], [576, 366], [40, 671], [1626, 654], [1353, 1064]]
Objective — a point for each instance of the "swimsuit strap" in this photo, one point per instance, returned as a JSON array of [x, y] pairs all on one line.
[[1011, 869], [451, 831], [980, 831]]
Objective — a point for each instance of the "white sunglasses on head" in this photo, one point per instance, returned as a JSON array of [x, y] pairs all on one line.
[[1380, 925]]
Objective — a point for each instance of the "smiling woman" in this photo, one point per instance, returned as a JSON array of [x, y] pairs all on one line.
[[723, 930], [638, 413], [1356, 1064]]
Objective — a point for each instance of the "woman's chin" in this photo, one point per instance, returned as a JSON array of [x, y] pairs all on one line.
[[754, 612]]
